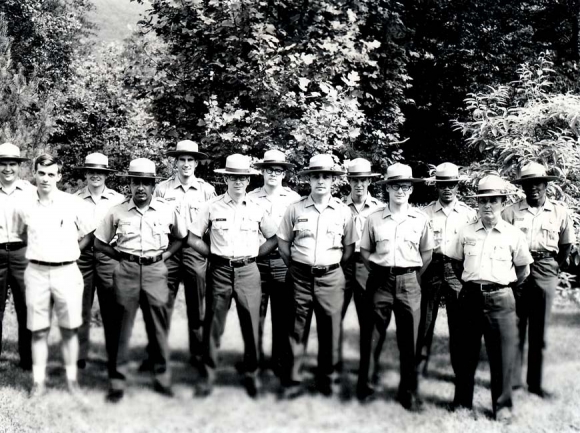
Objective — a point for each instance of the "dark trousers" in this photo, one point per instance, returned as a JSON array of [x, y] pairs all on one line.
[[491, 314], [439, 281], [97, 270], [323, 295], [273, 276], [401, 295], [533, 307], [12, 267], [143, 286], [225, 283], [190, 267]]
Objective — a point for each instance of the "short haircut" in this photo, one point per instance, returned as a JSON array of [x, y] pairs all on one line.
[[47, 160]]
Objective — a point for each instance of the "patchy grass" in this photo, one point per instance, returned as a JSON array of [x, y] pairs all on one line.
[[228, 409]]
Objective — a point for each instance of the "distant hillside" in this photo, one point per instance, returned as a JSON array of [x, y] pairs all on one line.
[[116, 18]]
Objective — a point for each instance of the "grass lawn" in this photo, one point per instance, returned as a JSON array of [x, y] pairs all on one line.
[[229, 409]]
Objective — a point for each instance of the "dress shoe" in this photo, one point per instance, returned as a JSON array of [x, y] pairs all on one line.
[[252, 385], [146, 366], [38, 390], [504, 415], [81, 364], [542, 393], [163, 390], [366, 394], [114, 395], [203, 389], [411, 402]]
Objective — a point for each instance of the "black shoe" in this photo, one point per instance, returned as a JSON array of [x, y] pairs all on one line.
[[114, 395], [252, 385], [366, 394], [163, 390], [203, 389], [81, 364], [412, 403], [542, 393], [290, 392], [146, 366]]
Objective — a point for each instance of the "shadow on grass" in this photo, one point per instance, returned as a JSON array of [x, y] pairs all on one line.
[[565, 318]]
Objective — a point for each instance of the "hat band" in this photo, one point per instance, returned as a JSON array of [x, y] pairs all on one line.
[[274, 161], [491, 191], [360, 173], [141, 174], [446, 177], [10, 156], [321, 167], [90, 165], [238, 170], [533, 175], [397, 177]]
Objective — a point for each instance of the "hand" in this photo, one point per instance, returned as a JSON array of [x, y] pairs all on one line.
[[165, 255]]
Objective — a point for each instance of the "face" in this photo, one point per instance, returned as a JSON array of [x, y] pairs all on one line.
[[273, 175], [447, 191], [489, 208], [142, 189], [9, 170], [237, 184], [186, 165], [535, 189], [321, 183], [397, 193], [47, 177], [95, 179], [359, 186]]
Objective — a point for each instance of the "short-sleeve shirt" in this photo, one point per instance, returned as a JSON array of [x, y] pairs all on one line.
[[23, 190], [54, 228], [234, 230], [446, 223], [317, 238], [397, 240], [275, 204], [545, 230], [370, 205], [108, 199], [490, 255], [142, 232], [189, 198]]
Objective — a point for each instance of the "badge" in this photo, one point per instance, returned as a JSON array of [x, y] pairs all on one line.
[[221, 219]]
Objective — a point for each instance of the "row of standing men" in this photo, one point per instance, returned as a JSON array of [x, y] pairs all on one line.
[[306, 255]]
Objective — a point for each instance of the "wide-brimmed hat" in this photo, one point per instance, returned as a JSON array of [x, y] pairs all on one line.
[[273, 157], [97, 162], [10, 151], [323, 163], [360, 167], [399, 173], [533, 171], [237, 164], [446, 172], [491, 186], [187, 147], [141, 168]]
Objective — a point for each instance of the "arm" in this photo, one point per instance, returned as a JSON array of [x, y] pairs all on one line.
[[268, 246], [173, 248], [106, 249], [198, 244], [284, 249], [347, 251], [563, 253], [522, 272], [365, 254], [426, 257], [87, 241]]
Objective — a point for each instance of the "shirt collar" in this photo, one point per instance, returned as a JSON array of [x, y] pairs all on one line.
[[548, 205], [309, 202], [500, 226], [176, 183], [18, 184], [387, 212], [228, 199], [368, 200], [85, 193], [439, 206], [152, 204]]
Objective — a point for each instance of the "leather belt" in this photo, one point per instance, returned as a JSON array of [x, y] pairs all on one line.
[[12, 246], [140, 260], [492, 287], [232, 263], [442, 258], [317, 271], [543, 254], [392, 270], [52, 264]]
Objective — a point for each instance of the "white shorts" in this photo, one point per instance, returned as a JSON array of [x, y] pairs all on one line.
[[61, 286]]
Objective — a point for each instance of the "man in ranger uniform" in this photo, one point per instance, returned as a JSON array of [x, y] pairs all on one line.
[[315, 236], [275, 198], [142, 225], [236, 225], [396, 246], [96, 267], [186, 191], [549, 233], [13, 260], [361, 204], [447, 216]]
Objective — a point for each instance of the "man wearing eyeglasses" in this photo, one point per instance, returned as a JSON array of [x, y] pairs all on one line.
[[396, 246], [236, 225], [275, 198], [448, 215], [494, 255], [316, 236]]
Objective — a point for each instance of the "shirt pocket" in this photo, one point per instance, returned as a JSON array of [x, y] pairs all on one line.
[[303, 231], [438, 227], [384, 244], [126, 229], [334, 233], [160, 233], [193, 209], [550, 232], [410, 247], [501, 263], [523, 225], [221, 225]]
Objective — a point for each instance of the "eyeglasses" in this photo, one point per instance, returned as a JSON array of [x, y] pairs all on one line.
[[276, 171], [447, 185], [235, 177], [396, 187]]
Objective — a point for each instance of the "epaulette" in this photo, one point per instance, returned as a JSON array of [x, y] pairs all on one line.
[[304, 197], [433, 203], [127, 200], [288, 189], [160, 199], [255, 191], [420, 212], [381, 208]]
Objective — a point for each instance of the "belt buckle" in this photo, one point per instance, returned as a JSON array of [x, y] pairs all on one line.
[[140, 260], [318, 270], [234, 263]]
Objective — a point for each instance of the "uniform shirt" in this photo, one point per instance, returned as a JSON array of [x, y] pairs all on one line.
[[109, 198], [275, 205], [23, 190], [188, 198], [446, 223], [54, 229], [370, 205], [142, 232], [234, 230], [317, 238], [490, 256], [550, 227], [397, 240]]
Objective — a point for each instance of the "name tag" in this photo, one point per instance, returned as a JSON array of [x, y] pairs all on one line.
[[169, 198], [221, 219], [124, 223], [469, 242], [302, 220], [519, 219]]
